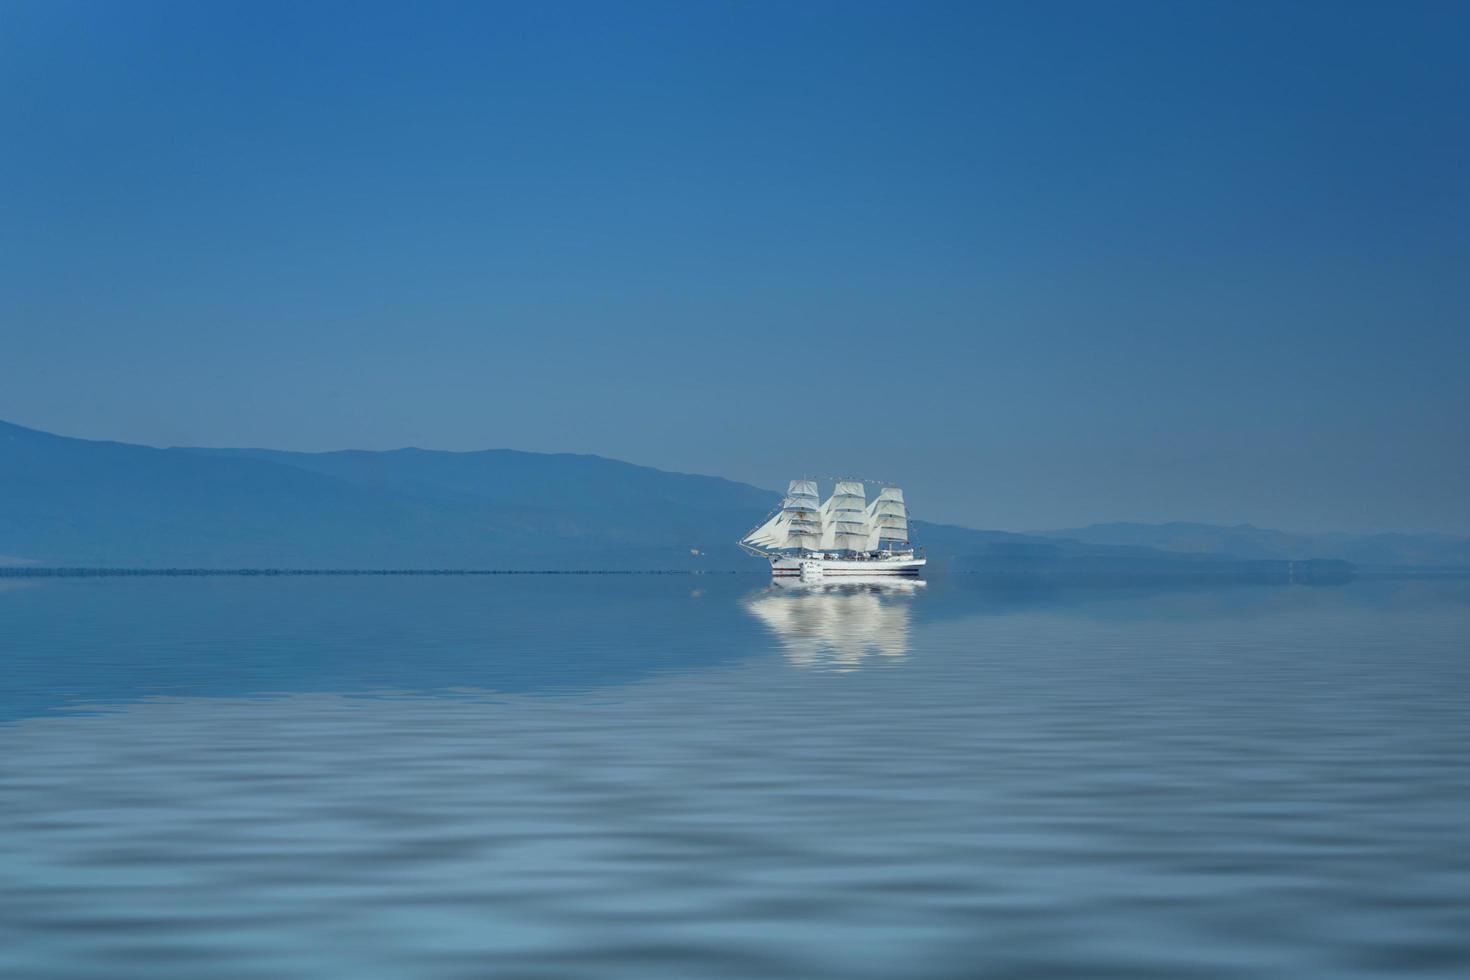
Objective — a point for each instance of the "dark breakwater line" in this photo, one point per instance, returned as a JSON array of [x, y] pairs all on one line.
[[21, 571]]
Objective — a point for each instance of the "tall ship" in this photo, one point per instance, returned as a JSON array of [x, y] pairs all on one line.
[[843, 536]]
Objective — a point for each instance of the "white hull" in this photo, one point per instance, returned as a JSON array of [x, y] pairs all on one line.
[[842, 568], [848, 585]]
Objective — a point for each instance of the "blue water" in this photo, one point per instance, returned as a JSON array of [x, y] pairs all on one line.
[[671, 777]]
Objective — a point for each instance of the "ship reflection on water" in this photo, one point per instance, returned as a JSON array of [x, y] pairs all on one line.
[[837, 626]]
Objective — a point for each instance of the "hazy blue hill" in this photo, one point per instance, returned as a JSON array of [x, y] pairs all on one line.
[[69, 500], [1243, 541], [564, 510], [74, 501], [1253, 543], [580, 494]]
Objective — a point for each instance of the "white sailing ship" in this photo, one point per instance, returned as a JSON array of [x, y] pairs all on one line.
[[844, 536]]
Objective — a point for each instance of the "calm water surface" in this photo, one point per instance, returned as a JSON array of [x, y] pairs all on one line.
[[667, 777]]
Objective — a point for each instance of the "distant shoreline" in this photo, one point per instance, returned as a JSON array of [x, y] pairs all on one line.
[[23, 571], [1057, 575]]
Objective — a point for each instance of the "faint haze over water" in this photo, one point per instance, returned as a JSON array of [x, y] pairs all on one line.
[[1046, 264]]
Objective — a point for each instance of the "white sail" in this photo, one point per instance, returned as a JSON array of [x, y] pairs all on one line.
[[847, 511], [771, 534], [888, 520], [803, 488], [802, 509], [829, 528]]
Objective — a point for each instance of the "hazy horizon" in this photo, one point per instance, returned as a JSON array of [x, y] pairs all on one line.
[[1045, 267]]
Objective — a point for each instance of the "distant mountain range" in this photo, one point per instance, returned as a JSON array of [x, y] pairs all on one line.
[[77, 502], [73, 501], [1250, 543]]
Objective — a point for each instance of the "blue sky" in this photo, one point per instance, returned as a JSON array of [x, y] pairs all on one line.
[[1045, 263]]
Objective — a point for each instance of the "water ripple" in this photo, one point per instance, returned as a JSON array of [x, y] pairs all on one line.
[[1077, 790]]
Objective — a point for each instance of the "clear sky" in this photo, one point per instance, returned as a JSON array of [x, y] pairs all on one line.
[[1044, 263]]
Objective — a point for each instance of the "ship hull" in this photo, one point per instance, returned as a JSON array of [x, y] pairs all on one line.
[[835, 568]]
